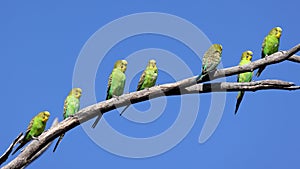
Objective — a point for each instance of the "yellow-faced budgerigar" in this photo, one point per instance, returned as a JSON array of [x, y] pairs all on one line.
[[116, 83], [147, 79], [71, 106], [270, 45], [211, 60], [36, 127], [243, 77]]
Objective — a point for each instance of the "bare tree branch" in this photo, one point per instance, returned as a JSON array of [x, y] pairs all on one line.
[[89, 112], [250, 86], [185, 86], [295, 58], [5, 155]]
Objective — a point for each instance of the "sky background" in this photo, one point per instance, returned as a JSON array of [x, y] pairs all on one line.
[[40, 42]]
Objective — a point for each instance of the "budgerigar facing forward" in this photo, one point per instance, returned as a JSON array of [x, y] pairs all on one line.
[[36, 127], [71, 106], [243, 77], [116, 83], [147, 79], [211, 60], [270, 45]]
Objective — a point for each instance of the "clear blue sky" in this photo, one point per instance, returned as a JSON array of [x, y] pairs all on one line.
[[40, 43]]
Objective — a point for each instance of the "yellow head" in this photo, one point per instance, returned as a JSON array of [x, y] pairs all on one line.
[[218, 47], [124, 66], [121, 64], [76, 92], [276, 31], [247, 55], [45, 115], [152, 64]]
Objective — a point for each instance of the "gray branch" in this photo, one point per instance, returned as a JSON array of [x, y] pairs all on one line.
[[295, 58], [250, 86], [186, 86]]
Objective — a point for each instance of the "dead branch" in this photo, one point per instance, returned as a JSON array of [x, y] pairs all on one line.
[[295, 58], [186, 86]]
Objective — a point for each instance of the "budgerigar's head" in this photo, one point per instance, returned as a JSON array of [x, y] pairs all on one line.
[[218, 47], [123, 65], [45, 115], [247, 55], [76, 92], [152, 64], [276, 31]]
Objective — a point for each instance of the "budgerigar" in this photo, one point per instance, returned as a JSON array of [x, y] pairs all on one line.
[[270, 45], [211, 60], [243, 77], [116, 83], [71, 106], [147, 79], [36, 127]]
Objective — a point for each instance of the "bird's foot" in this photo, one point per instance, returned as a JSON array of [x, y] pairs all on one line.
[[115, 97], [35, 138]]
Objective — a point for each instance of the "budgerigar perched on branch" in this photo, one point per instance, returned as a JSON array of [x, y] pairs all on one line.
[[211, 60], [147, 79], [270, 45], [243, 77], [36, 127], [71, 106], [116, 83]]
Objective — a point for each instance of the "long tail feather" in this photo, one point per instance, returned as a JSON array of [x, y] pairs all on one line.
[[124, 110], [58, 141], [239, 100], [22, 143], [260, 71], [96, 121]]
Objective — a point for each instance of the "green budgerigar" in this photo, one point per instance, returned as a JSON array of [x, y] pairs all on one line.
[[116, 83], [35, 128], [71, 106], [211, 60], [147, 79], [243, 77], [270, 45]]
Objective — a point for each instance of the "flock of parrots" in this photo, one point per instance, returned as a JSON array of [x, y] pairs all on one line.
[[117, 78]]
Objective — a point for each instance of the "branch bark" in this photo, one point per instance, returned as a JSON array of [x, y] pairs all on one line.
[[186, 86], [295, 58]]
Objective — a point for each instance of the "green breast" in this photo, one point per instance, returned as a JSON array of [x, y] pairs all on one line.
[[271, 45], [150, 79], [117, 83], [72, 106], [37, 128]]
